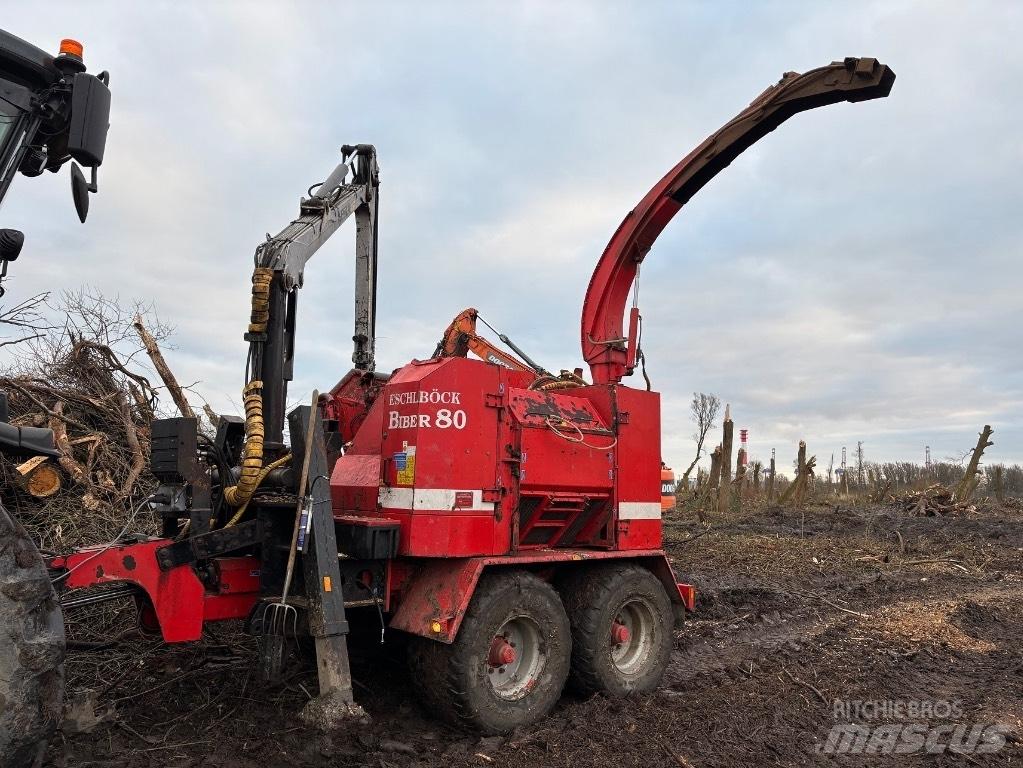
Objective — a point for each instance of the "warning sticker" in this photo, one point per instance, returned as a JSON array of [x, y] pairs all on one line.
[[406, 474], [463, 499]]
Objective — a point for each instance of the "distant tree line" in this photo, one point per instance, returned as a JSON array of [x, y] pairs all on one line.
[[900, 475]]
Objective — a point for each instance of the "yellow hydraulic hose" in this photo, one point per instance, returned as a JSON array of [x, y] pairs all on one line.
[[261, 279], [252, 454], [259, 479], [566, 380]]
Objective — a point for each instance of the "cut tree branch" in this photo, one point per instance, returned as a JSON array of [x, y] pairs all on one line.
[[60, 439], [153, 349], [138, 463]]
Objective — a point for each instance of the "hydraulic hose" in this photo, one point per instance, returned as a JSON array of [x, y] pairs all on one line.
[[252, 454], [550, 382], [259, 479], [261, 279]]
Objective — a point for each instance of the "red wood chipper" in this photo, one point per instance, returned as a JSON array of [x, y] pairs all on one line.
[[509, 521]]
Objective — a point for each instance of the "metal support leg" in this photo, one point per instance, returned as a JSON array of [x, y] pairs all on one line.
[[327, 623]]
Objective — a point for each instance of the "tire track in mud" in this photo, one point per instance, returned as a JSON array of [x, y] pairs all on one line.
[[730, 646], [727, 649]]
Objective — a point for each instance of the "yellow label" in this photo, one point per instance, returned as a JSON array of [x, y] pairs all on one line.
[[407, 476], [327, 586]]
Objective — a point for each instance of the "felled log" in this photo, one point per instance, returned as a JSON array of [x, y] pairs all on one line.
[[38, 477]]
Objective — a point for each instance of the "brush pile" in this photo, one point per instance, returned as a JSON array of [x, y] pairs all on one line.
[[86, 380], [99, 412], [933, 501]]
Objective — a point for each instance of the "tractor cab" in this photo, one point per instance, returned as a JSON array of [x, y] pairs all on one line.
[[51, 111]]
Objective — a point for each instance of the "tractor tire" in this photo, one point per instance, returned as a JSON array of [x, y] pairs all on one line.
[[508, 665], [621, 620], [31, 650]]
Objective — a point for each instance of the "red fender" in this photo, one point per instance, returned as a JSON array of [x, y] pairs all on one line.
[[435, 599]]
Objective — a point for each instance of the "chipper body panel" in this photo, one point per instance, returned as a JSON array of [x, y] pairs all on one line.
[[471, 462]]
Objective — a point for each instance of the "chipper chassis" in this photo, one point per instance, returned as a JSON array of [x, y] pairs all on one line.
[[508, 522]]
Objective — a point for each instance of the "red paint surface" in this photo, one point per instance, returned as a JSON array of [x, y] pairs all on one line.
[[177, 598]]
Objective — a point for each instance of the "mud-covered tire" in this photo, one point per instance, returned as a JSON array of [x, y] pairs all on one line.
[[597, 599], [31, 650], [460, 683]]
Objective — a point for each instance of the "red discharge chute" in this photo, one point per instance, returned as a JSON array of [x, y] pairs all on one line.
[[609, 353]]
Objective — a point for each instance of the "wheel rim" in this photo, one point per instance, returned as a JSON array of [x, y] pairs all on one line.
[[515, 658], [632, 637]]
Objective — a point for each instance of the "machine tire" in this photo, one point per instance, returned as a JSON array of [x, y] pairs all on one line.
[[597, 599], [31, 650], [459, 682]]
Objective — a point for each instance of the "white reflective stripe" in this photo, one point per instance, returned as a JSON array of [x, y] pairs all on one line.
[[432, 498], [444, 498], [639, 510], [395, 498]]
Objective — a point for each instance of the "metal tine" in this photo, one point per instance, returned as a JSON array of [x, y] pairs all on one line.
[[279, 617]]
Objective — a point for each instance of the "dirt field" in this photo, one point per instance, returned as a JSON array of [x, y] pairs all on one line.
[[795, 612]]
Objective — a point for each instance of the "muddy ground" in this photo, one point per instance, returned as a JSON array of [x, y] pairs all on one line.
[[796, 611]]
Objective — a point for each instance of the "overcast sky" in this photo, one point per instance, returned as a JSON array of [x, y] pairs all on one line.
[[855, 276]]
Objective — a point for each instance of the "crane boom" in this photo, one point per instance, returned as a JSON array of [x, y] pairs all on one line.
[[461, 337], [282, 260], [611, 354]]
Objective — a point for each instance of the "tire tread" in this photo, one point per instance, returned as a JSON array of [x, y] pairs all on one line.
[[32, 641], [583, 591], [438, 669]]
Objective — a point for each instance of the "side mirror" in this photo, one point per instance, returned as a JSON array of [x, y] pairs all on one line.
[[11, 242], [80, 190], [90, 119]]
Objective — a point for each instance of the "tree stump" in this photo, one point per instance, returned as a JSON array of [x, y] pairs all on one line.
[[725, 486], [969, 482], [713, 481], [715, 468]]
